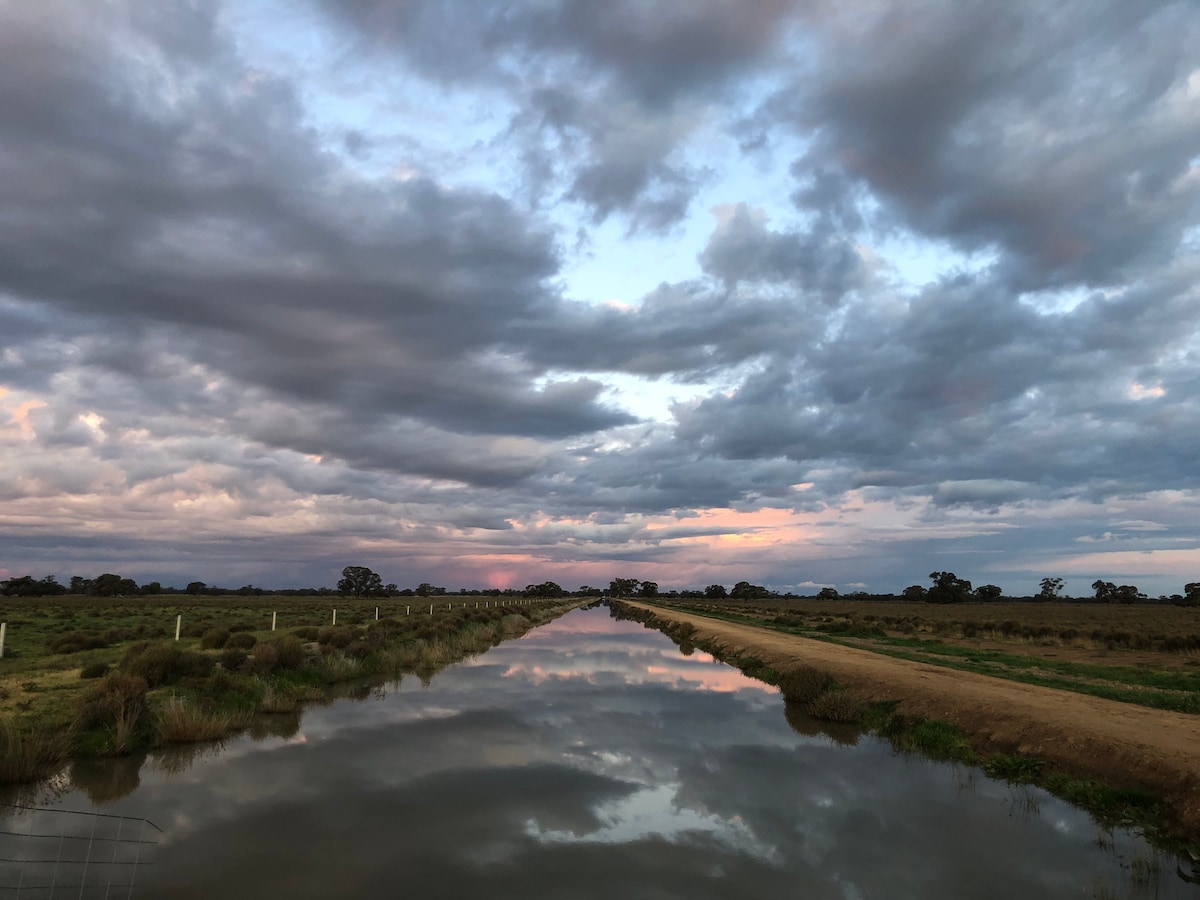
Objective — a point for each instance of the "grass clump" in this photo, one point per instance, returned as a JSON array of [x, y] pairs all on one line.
[[241, 641], [114, 710], [838, 706], [214, 639], [28, 756], [183, 722], [935, 739], [163, 663], [1015, 767], [94, 670], [804, 684]]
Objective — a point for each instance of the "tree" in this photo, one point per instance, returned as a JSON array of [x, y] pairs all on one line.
[[359, 581], [988, 592], [913, 592], [1051, 588], [716, 592], [622, 587], [196, 587], [828, 593], [80, 585], [1105, 590], [1191, 594], [110, 585], [648, 589], [545, 589], [744, 590], [948, 588]]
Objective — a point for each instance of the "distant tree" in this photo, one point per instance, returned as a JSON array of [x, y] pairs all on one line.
[[425, 589], [622, 587], [1051, 588], [988, 592], [545, 589], [359, 581], [648, 589], [716, 592], [152, 588], [913, 592], [744, 590], [1191, 594], [110, 585], [80, 585], [196, 587], [948, 588], [828, 593], [391, 589], [21, 586], [1128, 593], [1105, 590]]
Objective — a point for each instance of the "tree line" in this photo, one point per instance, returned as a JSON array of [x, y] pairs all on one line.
[[360, 581]]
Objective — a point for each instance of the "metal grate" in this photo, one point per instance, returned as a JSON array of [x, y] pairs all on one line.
[[47, 853]]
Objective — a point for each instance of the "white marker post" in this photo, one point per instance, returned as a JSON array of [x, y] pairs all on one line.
[[377, 614], [335, 617], [3, 628], [431, 609], [408, 610], [273, 615], [178, 622]]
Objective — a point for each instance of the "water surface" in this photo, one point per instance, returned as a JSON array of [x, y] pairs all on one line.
[[591, 758]]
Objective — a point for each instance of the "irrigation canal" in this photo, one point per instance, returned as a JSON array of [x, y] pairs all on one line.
[[590, 758]]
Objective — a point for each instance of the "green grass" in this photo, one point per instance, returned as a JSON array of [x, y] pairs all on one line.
[[1177, 691], [227, 667]]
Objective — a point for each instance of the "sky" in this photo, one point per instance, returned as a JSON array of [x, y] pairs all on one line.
[[800, 293]]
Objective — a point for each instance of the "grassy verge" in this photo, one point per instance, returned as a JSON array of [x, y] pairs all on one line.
[[1178, 691], [819, 696], [68, 698]]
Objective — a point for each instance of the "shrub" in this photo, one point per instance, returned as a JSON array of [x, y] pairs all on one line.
[[804, 684], [241, 641], [163, 663], [117, 705], [28, 756], [214, 639], [837, 706], [94, 670], [285, 653], [181, 722], [75, 642], [232, 659], [336, 636], [307, 632]]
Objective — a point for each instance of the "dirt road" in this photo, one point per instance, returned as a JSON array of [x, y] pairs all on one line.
[[1083, 735]]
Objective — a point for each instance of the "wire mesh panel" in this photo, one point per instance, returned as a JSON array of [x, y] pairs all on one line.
[[47, 853]]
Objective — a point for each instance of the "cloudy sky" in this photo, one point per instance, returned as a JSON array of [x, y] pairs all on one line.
[[800, 293]]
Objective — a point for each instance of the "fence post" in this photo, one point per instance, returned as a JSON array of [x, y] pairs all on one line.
[[178, 622], [335, 617], [408, 610], [431, 609], [377, 614], [273, 615], [3, 628]]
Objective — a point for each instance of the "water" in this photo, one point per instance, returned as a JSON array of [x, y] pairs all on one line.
[[592, 759]]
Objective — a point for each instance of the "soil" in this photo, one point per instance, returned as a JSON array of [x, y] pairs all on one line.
[[1118, 743]]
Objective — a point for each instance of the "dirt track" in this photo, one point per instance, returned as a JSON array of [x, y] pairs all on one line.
[[1079, 734]]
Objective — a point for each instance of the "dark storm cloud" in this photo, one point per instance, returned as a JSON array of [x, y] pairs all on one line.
[[215, 212], [1059, 138]]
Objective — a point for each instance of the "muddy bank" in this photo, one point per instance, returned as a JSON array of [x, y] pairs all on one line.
[[1077, 734]]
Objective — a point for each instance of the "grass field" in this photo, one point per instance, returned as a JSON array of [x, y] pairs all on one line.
[[85, 676], [1146, 654]]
